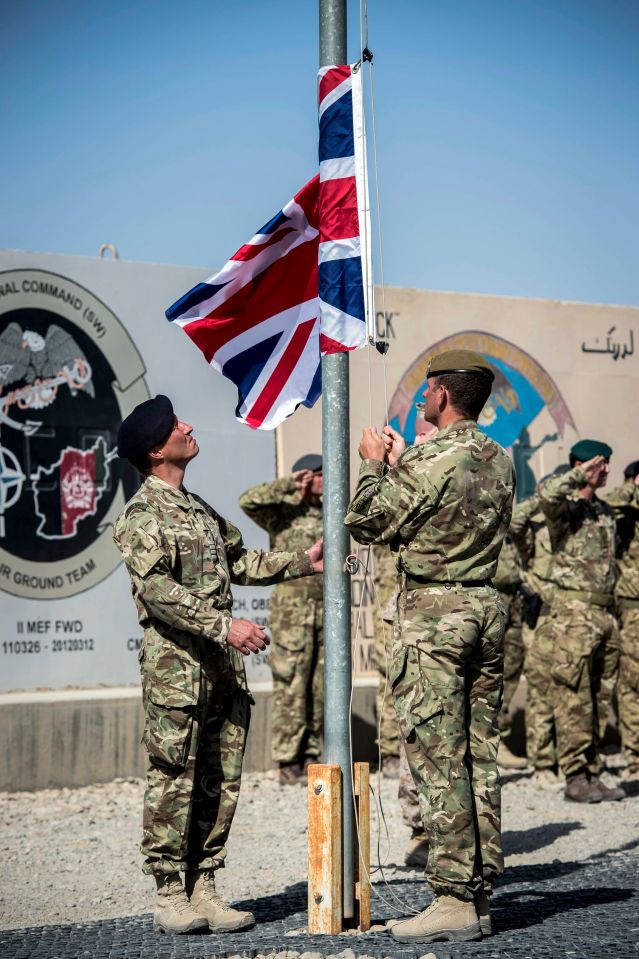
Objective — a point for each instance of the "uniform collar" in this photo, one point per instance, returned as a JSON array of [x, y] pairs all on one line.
[[167, 493], [456, 428]]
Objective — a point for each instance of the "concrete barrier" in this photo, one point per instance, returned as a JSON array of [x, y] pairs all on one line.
[[80, 736]]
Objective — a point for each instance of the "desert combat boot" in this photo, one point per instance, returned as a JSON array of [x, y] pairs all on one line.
[[200, 888], [447, 919], [173, 911], [482, 905]]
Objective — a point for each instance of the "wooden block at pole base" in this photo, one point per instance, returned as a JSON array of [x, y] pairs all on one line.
[[325, 883], [361, 790]]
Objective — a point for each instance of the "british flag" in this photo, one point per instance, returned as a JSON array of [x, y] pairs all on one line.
[[302, 284]]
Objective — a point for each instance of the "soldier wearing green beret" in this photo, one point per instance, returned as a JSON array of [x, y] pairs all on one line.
[[625, 503], [584, 629], [290, 510], [182, 557], [444, 508]]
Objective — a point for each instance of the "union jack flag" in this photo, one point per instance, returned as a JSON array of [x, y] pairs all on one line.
[[302, 284]]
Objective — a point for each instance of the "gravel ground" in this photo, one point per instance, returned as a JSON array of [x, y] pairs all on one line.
[[72, 855]]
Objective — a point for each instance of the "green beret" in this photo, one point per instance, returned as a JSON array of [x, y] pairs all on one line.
[[459, 361], [146, 426], [585, 450], [312, 462]]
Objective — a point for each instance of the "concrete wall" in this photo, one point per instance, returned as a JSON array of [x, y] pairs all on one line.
[[76, 737]]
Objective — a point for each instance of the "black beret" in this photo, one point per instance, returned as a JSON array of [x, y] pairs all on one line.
[[631, 470], [312, 461], [584, 450], [148, 424], [460, 361]]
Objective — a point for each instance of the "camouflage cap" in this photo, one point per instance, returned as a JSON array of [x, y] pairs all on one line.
[[585, 450], [312, 461], [148, 424], [459, 361]]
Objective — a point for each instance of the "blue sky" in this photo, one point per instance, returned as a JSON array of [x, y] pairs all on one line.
[[508, 134]]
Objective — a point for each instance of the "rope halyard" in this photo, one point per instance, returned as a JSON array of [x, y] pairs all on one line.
[[382, 347]]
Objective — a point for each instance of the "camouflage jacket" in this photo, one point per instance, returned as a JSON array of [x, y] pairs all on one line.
[[531, 537], [289, 520], [508, 575], [625, 504], [444, 507], [582, 535], [182, 557]]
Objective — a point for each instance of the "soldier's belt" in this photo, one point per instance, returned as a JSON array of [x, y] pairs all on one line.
[[626, 603], [597, 599], [413, 583], [509, 589]]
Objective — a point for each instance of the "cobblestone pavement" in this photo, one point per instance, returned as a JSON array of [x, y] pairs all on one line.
[[71, 885], [569, 909]]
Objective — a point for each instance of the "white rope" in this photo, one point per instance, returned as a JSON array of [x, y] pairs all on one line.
[[367, 579], [379, 804]]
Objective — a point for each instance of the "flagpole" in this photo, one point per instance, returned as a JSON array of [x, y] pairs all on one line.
[[337, 588]]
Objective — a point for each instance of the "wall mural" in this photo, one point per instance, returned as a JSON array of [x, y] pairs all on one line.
[[69, 373]]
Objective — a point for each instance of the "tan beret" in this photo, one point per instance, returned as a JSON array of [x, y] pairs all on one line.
[[459, 361]]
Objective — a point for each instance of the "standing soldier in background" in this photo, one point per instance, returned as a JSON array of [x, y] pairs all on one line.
[[385, 588], [530, 533], [586, 636], [507, 581], [625, 503], [182, 557], [290, 510], [444, 508]]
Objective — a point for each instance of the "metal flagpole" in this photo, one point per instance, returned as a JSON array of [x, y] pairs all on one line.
[[337, 594]]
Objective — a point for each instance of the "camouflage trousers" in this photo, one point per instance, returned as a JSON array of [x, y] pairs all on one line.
[[513, 659], [540, 717], [628, 685], [296, 659], [195, 764], [407, 795], [384, 705], [385, 579], [584, 671], [447, 682]]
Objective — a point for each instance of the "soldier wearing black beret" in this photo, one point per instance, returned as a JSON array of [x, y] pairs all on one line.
[[182, 557], [290, 510]]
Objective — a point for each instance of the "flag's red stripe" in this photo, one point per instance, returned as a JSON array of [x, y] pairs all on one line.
[[280, 375], [332, 79], [339, 219], [328, 345], [250, 250], [288, 282], [307, 199]]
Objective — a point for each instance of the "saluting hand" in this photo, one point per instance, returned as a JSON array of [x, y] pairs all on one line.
[[595, 470], [371, 446], [302, 480], [246, 636], [316, 555]]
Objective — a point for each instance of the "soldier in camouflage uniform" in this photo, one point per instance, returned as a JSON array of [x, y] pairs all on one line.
[[290, 510], [530, 534], [507, 581], [444, 509], [625, 504], [182, 557], [385, 587], [585, 633]]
